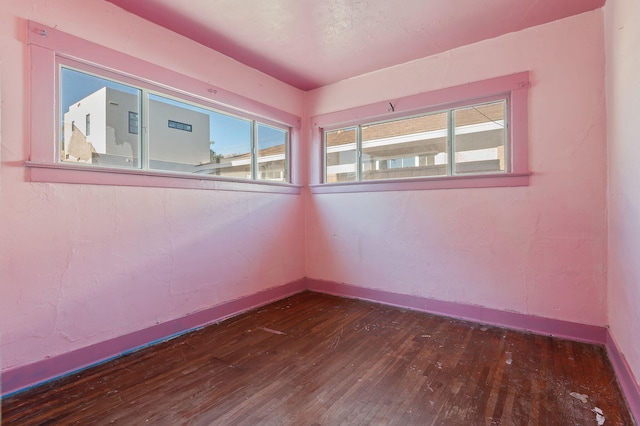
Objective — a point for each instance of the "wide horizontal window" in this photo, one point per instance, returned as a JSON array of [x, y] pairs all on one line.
[[180, 136], [119, 120], [456, 141], [468, 136]]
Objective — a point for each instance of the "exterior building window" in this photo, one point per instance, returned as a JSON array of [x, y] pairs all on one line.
[[88, 124], [133, 122], [179, 126]]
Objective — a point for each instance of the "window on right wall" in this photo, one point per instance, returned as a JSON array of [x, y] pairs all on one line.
[[456, 142]]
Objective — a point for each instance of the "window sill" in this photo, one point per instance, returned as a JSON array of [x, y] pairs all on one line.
[[444, 182], [59, 173]]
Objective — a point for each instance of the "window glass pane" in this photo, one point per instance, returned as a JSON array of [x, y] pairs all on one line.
[[192, 139], [479, 141], [407, 148], [272, 148], [340, 148], [133, 122], [95, 121], [230, 148]]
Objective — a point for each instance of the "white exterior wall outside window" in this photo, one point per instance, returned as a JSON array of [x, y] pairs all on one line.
[[109, 136], [175, 149], [94, 104], [109, 110]]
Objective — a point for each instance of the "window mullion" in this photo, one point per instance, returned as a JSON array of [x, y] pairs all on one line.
[[358, 153], [508, 163], [287, 157], [324, 158], [144, 129], [254, 150], [450, 143]]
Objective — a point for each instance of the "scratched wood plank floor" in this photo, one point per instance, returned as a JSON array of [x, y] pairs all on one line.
[[315, 359]]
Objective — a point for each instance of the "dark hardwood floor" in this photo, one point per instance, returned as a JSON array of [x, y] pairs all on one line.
[[315, 359]]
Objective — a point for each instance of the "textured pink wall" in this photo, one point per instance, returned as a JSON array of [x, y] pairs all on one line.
[[537, 250], [83, 264], [623, 92]]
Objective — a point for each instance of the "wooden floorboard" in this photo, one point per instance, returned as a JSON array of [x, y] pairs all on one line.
[[315, 359]]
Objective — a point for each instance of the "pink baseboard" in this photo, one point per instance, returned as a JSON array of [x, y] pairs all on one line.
[[513, 320], [20, 378], [23, 377], [626, 378]]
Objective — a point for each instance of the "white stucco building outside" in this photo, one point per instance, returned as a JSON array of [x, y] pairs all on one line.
[[109, 120]]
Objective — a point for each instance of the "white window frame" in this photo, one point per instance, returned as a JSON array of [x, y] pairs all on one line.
[[52, 49], [514, 88]]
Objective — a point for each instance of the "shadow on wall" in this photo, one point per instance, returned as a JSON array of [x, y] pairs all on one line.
[[136, 267]]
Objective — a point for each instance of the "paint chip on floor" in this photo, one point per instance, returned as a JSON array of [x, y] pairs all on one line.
[[599, 416], [270, 330], [580, 396]]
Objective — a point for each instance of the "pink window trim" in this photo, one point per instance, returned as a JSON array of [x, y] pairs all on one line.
[[514, 87], [50, 48], [62, 173], [416, 184]]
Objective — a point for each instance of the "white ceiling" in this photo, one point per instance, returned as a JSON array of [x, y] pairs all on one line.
[[312, 43]]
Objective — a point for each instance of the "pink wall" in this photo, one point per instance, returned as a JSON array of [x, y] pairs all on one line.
[[538, 250], [82, 264], [623, 92]]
